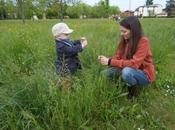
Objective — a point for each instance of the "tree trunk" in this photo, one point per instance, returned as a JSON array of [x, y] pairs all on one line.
[[20, 3], [44, 16], [2, 14], [61, 10]]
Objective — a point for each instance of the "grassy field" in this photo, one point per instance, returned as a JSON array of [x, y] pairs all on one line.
[[30, 94]]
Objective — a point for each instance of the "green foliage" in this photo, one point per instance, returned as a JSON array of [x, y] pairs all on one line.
[[7, 9], [76, 10], [52, 9], [170, 8], [149, 2], [31, 96]]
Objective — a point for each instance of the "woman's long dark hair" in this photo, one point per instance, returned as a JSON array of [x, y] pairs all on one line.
[[132, 23]]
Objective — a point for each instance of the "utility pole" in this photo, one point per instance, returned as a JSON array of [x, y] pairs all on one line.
[[129, 4]]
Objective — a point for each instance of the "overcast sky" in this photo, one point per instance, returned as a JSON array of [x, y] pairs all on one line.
[[124, 4]]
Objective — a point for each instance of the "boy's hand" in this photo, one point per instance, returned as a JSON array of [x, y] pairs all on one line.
[[83, 38], [83, 41]]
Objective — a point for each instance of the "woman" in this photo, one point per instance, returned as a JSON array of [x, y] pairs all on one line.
[[133, 57]]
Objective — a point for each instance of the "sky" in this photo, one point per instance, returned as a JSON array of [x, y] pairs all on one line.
[[124, 4]]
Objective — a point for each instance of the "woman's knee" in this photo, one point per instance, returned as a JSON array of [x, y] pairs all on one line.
[[126, 73]]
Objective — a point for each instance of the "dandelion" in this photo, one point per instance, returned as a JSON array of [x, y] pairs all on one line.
[[170, 90]]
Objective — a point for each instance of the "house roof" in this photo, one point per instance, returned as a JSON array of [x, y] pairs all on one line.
[[148, 6]]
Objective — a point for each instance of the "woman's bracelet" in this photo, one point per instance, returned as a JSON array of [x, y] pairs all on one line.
[[109, 61]]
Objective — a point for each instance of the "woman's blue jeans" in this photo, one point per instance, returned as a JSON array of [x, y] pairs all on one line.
[[130, 75]]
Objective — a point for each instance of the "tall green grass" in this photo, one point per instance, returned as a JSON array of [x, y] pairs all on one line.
[[30, 94]]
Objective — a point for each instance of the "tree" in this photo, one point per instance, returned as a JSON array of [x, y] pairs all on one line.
[[29, 8], [10, 9], [102, 8], [170, 8], [2, 9], [41, 7], [57, 8], [62, 4], [113, 10], [25, 9], [149, 2], [107, 3]]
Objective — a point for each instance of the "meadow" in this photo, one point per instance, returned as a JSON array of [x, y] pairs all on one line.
[[31, 97]]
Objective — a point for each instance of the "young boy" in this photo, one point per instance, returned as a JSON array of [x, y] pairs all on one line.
[[67, 61]]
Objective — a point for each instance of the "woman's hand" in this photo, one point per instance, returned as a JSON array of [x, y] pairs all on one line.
[[103, 60], [83, 41]]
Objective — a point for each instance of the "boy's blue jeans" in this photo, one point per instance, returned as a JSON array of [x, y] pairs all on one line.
[[129, 75]]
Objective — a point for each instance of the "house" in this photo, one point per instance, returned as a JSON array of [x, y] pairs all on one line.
[[150, 10]]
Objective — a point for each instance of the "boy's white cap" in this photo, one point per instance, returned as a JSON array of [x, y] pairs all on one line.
[[59, 28]]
